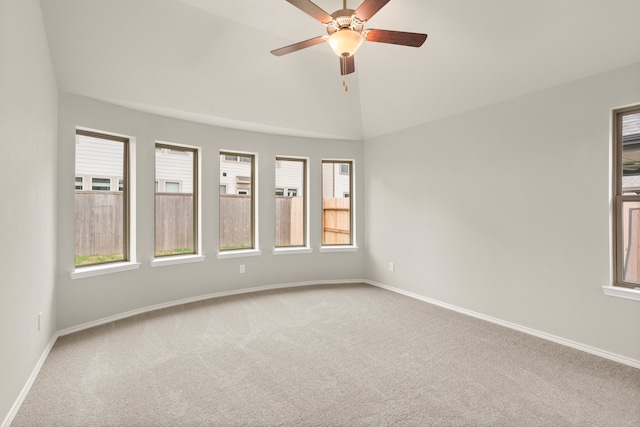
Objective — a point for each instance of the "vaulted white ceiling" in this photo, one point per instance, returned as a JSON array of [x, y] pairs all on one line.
[[210, 61]]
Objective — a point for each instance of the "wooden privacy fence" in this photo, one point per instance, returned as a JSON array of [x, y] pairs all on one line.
[[235, 221], [289, 221], [174, 221], [336, 221], [631, 218], [99, 221]]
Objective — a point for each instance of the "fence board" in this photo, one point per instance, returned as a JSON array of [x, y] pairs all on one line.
[[289, 221], [98, 222], [336, 221], [174, 221], [235, 221], [297, 222], [632, 242]]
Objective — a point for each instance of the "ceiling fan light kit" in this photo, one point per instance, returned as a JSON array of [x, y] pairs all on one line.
[[345, 42], [346, 31]]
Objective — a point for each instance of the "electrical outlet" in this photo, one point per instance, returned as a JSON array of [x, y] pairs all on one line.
[[392, 267], [39, 320], [242, 268]]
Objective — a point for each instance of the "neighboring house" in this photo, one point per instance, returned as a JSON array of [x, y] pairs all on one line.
[[288, 180], [173, 172], [631, 155], [98, 164], [235, 175], [335, 183], [235, 178], [99, 167]]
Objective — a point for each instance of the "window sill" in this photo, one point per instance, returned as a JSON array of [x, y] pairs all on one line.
[[292, 251], [173, 260], [239, 253], [98, 270], [345, 248], [620, 292]]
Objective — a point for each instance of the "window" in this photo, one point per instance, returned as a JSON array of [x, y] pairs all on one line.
[[100, 184], [237, 203], [102, 214], [626, 181], [291, 210], [176, 208], [79, 182], [171, 187], [237, 158], [291, 192], [337, 207]]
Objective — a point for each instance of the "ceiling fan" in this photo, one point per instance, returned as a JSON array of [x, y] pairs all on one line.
[[346, 32]]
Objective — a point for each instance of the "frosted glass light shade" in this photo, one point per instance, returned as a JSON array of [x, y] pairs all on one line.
[[345, 42]]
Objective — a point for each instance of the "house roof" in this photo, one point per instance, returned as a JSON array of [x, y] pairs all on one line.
[[210, 61]]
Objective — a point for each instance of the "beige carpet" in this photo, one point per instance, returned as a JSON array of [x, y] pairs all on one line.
[[348, 355]]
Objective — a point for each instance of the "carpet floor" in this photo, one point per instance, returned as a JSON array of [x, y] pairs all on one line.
[[338, 355]]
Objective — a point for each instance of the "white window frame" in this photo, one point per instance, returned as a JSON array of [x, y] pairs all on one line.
[[306, 249], [619, 287], [353, 247], [255, 251], [197, 256], [115, 267]]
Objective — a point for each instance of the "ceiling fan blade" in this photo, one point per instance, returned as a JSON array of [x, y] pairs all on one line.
[[297, 46], [396, 37], [347, 65], [368, 8], [312, 10]]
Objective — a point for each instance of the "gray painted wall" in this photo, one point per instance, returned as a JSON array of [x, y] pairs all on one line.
[[28, 191], [505, 211], [88, 299]]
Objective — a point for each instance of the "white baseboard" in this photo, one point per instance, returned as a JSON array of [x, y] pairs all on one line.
[[578, 346], [558, 340], [155, 307], [25, 390]]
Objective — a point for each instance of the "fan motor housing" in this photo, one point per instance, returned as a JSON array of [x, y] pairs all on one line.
[[344, 18]]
